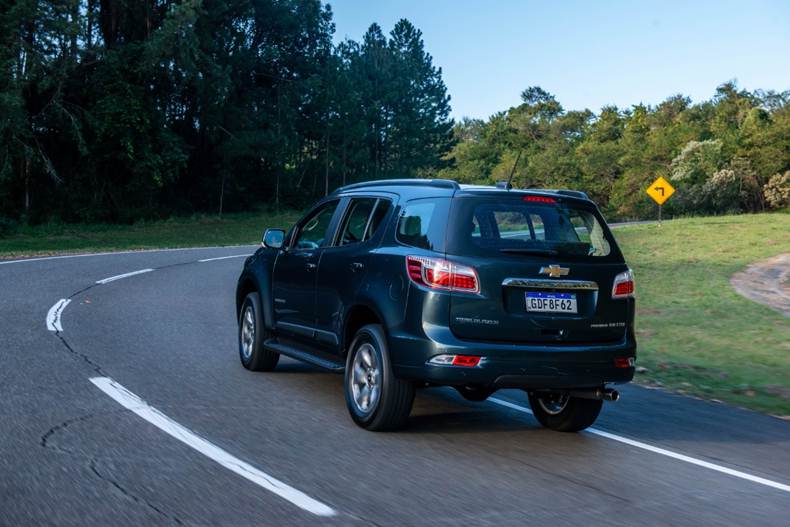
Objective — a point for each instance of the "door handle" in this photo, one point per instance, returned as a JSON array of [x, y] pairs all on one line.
[[311, 266], [357, 266]]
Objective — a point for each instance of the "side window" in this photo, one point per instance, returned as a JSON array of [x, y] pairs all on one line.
[[356, 223], [312, 232], [379, 213], [414, 224]]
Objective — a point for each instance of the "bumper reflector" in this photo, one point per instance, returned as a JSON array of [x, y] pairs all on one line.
[[624, 362], [469, 361]]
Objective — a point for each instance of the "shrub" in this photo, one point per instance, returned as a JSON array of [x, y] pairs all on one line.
[[721, 193], [777, 190]]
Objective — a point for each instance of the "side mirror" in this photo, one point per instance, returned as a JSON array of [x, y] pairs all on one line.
[[273, 238]]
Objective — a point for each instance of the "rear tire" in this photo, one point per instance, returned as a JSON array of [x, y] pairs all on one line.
[[564, 413], [252, 334], [376, 399]]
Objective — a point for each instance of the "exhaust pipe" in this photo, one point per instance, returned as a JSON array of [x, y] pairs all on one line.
[[605, 394]]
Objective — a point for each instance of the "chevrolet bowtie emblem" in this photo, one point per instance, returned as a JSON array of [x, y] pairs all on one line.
[[555, 271]]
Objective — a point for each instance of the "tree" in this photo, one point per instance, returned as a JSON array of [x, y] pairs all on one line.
[[720, 153], [116, 110]]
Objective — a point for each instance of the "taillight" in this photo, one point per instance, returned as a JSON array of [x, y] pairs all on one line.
[[623, 285], [438, 273], [624, 362]]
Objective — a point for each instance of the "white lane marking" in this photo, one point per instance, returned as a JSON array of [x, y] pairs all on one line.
[[110, 253], [120, 276], [53, 316], [132, 402], [222, 258], [661, 451]]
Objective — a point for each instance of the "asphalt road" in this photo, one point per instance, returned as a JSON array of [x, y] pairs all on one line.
[[241, 448]]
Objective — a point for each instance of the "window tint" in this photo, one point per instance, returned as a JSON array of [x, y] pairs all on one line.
[[537, 224], [422, 223], [414, 224], [312, 232], [379, 213], [354, 229], [483, 226]]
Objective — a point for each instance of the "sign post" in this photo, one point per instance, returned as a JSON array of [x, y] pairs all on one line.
[[660, 190]]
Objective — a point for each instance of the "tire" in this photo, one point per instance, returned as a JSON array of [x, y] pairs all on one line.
[[564, 413], [475, 393], [369, 370], [252, 333]]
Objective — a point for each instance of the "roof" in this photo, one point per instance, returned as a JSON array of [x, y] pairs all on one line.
[[439, 183], [451, 185]]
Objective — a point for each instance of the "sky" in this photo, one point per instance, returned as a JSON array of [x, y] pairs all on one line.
[[588, 54]]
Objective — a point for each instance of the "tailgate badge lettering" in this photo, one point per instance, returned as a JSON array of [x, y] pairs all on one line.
[[555, 271], [475, 320]]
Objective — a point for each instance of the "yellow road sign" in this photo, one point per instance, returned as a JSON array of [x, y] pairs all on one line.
[[660, 190]]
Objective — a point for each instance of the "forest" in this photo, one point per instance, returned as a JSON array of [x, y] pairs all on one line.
[[121, 110], [118, 110]]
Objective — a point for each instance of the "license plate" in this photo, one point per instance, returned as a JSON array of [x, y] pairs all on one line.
[[551, 302]]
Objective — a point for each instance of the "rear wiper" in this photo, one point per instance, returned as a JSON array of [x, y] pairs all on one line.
[[514, 250]]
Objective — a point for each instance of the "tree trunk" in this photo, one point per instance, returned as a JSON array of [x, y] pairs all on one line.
[[344, 157], [221, 193], [109, 14], [26, 169], [326, 164], [277, 193], [89, 27], [75, 25], [376, 148]]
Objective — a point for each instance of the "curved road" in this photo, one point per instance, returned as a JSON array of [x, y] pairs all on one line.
[[127, 405]]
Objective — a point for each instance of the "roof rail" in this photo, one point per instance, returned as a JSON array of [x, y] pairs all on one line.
[[562, 191], [441, 183]]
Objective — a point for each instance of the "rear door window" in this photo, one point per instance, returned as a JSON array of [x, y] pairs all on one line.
[[383, 206], [356, 224], [363, 218]]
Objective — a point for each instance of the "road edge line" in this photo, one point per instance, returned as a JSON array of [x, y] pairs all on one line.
[[223, 258], [662, 451], [54, 313], [132, 402], [121, 276]]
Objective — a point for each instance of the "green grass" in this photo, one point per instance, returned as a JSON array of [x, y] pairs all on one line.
[[195, 231], [696, 334]]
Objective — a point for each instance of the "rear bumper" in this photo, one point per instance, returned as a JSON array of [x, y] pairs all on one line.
[[510, 366]]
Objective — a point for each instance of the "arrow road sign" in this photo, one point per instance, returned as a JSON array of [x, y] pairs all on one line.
[[660, 190]]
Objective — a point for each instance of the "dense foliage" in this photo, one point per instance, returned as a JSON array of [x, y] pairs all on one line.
[[729, 154], [115, 110]]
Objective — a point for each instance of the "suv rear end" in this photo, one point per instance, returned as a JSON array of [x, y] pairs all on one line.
[[403, 284], [526, 290]]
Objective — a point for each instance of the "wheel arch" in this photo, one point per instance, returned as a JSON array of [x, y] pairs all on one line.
[[247, 284], [358, 315], [250, 283]]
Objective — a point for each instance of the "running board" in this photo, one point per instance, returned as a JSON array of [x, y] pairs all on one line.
[[304, 356]]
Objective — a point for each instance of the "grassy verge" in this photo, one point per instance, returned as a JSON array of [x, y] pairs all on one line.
[[696, 334], [196, 231]]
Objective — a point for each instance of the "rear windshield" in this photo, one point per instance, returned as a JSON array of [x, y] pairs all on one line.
[[489, 226]]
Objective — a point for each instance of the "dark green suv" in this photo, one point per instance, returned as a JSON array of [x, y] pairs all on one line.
[[403, 284]]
